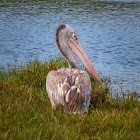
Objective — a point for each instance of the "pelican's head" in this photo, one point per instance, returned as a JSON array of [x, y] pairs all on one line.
[[69, 46]]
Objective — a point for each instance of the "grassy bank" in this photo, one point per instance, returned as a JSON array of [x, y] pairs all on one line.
[[26, 113]]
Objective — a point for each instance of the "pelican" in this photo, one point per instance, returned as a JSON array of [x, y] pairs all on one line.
[[70, 87]]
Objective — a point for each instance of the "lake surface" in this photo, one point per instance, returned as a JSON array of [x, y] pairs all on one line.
[[109, 32]]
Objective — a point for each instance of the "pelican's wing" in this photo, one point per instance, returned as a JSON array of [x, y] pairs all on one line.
[[78, 97], [57, 85]]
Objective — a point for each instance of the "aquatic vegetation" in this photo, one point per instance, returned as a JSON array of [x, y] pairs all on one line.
[[26, 113]]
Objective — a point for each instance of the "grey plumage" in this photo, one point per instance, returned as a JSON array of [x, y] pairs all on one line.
[[70, 87]]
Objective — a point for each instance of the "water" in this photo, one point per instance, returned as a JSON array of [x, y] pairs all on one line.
[[109, 32]]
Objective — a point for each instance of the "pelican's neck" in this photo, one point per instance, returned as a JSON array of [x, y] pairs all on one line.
[[73, 62], [69, 55]]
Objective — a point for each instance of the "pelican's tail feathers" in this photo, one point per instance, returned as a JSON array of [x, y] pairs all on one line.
[[73, 100]]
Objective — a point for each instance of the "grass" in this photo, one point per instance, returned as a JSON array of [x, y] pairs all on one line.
[[26, 113]]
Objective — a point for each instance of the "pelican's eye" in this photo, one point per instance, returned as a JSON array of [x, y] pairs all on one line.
[[74, 36]]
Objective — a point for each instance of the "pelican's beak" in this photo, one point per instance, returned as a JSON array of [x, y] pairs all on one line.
[[78, 50]]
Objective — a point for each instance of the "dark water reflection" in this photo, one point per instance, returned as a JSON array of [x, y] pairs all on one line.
[[109, 32]]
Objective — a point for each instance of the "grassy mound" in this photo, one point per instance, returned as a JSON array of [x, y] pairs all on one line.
[[26, 113]]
